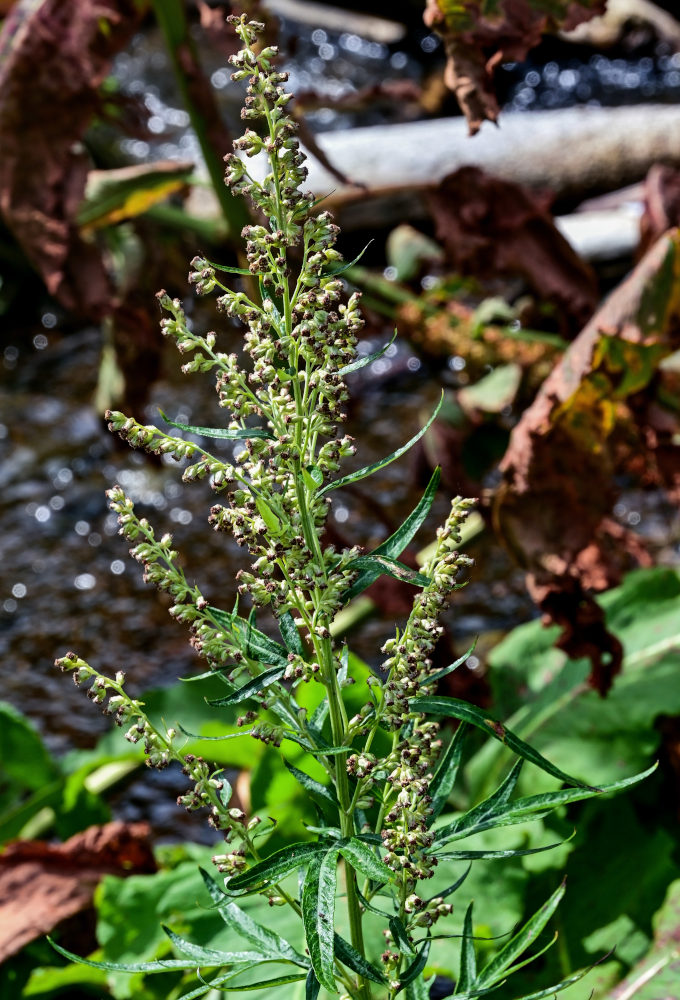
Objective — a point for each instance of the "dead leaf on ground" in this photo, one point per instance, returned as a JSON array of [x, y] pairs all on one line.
[[480, 34], [42, 884], [491, 227], [590, 422]]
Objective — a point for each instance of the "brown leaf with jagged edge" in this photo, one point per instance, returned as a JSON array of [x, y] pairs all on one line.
[[480, 34], [490, 226], [591, 420], [42, 884], [53, 58]]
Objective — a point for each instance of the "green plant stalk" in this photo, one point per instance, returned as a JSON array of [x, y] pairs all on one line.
[[200, 106]]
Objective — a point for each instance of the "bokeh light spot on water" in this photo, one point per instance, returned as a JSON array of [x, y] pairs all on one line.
[[57, 502], [19, 590], [181, 516], [40, 341], [341, 514], [82, 528], [85, 581], [48, 320], [10, 605], [42, 514], [117, 567]]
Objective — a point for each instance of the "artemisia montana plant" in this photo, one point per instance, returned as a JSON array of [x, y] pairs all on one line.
[[389, 769]]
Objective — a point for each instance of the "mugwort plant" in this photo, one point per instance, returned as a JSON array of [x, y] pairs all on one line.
[[389, 768]]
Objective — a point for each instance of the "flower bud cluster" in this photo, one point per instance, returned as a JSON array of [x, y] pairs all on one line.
[[405, 833], [409, 662], [111, 695]]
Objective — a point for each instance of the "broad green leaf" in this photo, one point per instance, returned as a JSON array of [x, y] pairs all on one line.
[[468, 959], [250, 689], [318, 914], [323, 795], [494, 971], [350, 957], [267, 940], [290, 634], [253, 643], [362, 858], [393, 546], [377, 565], [274, 868], [221, 432], [368, 359], [415, 968], [368, 470], [446, 773], [453, 707]]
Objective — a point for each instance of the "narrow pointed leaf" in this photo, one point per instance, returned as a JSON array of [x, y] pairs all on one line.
[[323, 795], [290, 634], [396, 543], [468, 959], [368, 470], [211, 956], [229, 270], [239, 434], [275, 867], [376, 565], [158, 965], [319, 716], [250, 689], [419, 989], [551, 990], [222, 984], [312, 986], [454, 708], [350, 957], [455, 886], [447, 771], [318, 915], [483, 815], [415, 968], [496, 968], [401, 937], [362, 858], [367, 359], [345, 266], [440, 674], [494, 855], [253, 643], [530, 807], [267, 941]]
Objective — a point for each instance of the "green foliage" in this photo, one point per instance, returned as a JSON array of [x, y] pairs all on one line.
[[345, 834]]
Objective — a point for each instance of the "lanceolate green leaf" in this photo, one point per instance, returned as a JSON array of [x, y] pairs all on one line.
[[350, 957], [312, 986], [159, 965], [290, 634], [229, 270], [239, 434], [447, 772], [454, 708], [318, 914], [362, 858], [222, 984], [440, 674], [265, 940], [368, 470], [468, 959], [367, 359], [250, 689], [393, 546], [481, 816], [494, 855], [323, 795], [211, 956], [253, 643], [376, 565], [415, 968], [494, 971], [497, 814], [275, 867]]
